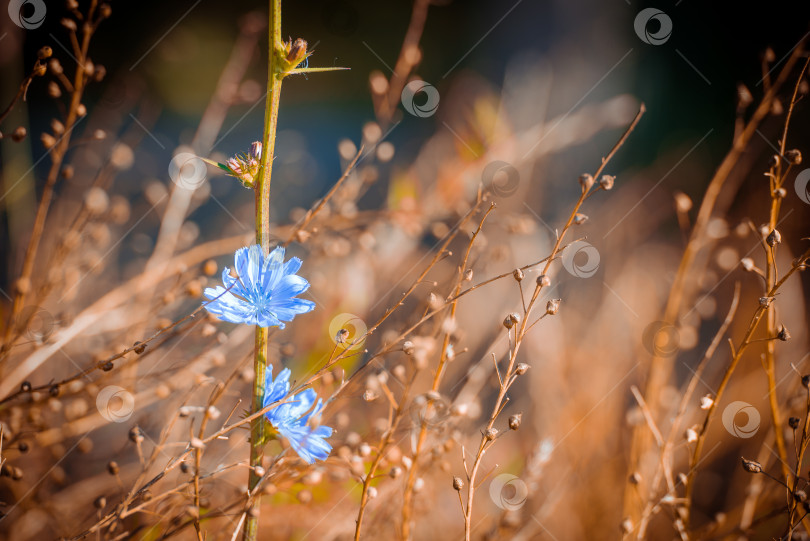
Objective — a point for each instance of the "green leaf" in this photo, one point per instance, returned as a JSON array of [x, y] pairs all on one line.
[[298, 71], [217, 164]]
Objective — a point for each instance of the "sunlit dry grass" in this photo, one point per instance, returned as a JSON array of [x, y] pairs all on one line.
[[538, 345]]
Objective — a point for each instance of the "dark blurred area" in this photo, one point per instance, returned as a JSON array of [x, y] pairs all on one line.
[[175, 51]]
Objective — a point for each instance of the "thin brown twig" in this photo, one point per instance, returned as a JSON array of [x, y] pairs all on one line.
[[521, 329], [407, 499]]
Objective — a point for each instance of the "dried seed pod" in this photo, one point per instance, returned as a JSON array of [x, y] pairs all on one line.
[[458, 484], [744, 97], [793, 156], [48, 140], [683, 203], [607, 181], [511, 320], [57, 127], [586, 181], [783, 334], [491, 433], [553, 306], [112, 467], [690, 435], [408, 347], [751, 466], [793, 422], [706, 402], [341, 336], [521, 369], [96, 201], [18, 134], [70, 24], [514, 421], [518, 275], [99, 73], [44, 52], [135, 435], [543, 280], [210, 267], [53, 89]]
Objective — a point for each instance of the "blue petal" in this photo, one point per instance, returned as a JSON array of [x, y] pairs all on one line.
[[228, 281], [255, 268], [315, 411], [273, 270], [287, 309], [292, 266], [241, 262], [290, 286], [263, 293], [309, 445], [227, 306], [266, 318]]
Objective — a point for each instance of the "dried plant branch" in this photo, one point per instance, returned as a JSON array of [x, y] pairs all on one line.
[[510, 372]]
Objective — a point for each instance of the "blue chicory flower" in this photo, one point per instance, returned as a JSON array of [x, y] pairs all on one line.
[[291, 419], [264, 292]]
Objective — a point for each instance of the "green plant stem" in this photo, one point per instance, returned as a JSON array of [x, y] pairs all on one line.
[[262, 191]]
